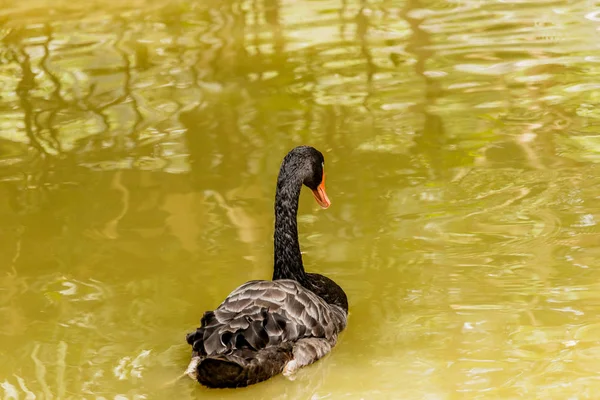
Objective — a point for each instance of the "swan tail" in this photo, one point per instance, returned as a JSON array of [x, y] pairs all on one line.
[[239, 370]]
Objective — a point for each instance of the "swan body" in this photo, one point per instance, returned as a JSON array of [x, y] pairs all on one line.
[[264, 328]]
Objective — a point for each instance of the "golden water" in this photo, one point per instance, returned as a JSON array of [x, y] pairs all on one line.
[[139, 145]]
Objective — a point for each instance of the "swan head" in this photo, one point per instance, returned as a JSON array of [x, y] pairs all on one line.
[[308, 164]]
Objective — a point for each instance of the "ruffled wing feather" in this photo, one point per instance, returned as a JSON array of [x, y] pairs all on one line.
[[261, 314]]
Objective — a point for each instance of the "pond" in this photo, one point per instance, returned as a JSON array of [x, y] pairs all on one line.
[[140, 142]]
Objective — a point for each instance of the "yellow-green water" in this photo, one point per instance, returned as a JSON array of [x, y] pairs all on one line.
[[139, 145]]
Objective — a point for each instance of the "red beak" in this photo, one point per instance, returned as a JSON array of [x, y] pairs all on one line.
[[321, 195]]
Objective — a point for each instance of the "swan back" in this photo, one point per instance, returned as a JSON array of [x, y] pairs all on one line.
[[261, 314]]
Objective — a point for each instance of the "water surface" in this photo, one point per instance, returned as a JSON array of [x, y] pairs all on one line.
[[140, 142]]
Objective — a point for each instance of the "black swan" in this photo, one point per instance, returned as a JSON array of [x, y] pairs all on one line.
[[264, 328]]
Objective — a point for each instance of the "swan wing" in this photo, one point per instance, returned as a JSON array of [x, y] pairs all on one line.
[[261, 314]]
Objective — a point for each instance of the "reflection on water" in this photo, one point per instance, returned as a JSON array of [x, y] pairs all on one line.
[[139, 144]]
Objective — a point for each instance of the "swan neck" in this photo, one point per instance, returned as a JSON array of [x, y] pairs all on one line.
[[288, 258]]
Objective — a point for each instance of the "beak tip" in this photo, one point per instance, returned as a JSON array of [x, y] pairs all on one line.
[[321, 198]]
